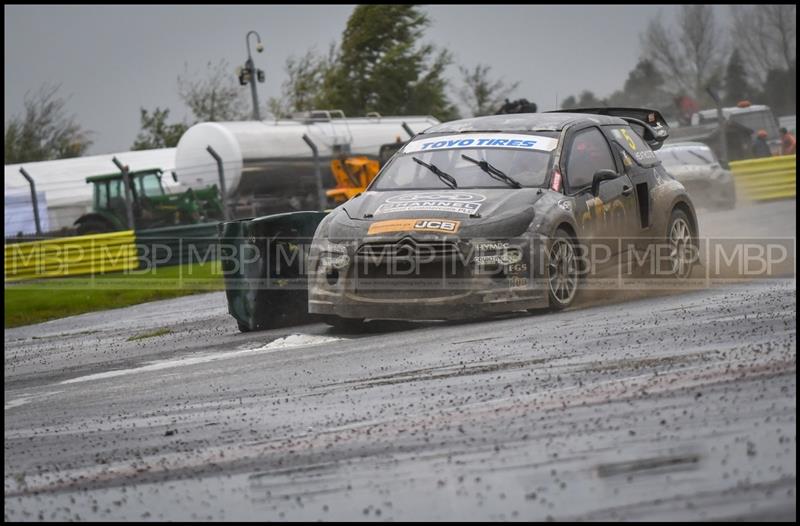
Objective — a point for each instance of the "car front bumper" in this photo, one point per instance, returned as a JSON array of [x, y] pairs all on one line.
[[476, 288]]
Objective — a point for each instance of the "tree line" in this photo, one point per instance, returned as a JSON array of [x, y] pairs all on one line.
[[754, 59], [382, 64]]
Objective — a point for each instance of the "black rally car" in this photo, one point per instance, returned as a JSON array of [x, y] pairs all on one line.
[[501, 213]]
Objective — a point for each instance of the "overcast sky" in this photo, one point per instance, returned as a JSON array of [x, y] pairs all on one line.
[[112, 60]]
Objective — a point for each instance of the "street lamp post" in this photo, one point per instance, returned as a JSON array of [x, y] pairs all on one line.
[[251, 74]]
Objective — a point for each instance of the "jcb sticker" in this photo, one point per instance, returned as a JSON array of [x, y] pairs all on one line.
[[437, 225], [418, 225]]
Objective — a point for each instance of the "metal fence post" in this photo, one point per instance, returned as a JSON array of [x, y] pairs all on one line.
[[323, 201], [222, 188], [34, 200], [126, 181], [408, 129], [723, 132]]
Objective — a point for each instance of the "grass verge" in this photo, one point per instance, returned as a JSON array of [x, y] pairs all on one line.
[[48, 299]]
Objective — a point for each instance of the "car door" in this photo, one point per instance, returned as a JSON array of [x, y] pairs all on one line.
[[644, 169], [605, 219]]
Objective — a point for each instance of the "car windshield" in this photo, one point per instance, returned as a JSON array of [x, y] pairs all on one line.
[[682, 156], [525, 164]]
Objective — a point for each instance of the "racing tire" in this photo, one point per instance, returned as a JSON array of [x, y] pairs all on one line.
[[353, 325], [562, 271], [682, 244]]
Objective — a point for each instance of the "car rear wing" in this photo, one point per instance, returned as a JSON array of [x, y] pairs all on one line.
[[648, 123]]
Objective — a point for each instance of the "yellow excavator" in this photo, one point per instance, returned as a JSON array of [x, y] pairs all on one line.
[[353, 174]]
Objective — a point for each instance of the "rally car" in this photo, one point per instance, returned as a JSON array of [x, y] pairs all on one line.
[[502, 213], [696, 167]]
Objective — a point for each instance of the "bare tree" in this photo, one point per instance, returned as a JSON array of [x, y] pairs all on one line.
[[215, 95], [692, 58], [44, 132], [479, 93], [766, 37]]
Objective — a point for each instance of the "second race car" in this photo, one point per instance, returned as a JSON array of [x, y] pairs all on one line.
[[696, 167]]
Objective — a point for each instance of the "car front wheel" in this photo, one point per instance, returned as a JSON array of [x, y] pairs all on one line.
[[562, 271], [681, 244]]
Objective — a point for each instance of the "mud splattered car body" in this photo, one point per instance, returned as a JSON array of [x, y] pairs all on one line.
[[475, 209]]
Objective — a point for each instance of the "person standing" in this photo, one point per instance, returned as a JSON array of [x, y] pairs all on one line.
[[760, 146], [788, 143]]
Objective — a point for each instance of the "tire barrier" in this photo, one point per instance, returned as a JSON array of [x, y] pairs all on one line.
[[767, 178]]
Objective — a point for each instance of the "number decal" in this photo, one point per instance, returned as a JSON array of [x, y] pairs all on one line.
[[628, 138]]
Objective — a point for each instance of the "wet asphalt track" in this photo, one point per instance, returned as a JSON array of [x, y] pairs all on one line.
[[678, 406]]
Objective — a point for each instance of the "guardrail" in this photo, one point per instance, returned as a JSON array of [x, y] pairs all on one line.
[[767, 178], [175, 245], [70, 256]]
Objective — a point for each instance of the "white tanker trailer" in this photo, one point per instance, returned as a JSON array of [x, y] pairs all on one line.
[[269, 168]]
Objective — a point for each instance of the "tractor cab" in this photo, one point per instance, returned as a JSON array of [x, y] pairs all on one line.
[[109, 194], [152, 206]]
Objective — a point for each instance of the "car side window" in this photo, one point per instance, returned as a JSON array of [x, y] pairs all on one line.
[[588, 153]]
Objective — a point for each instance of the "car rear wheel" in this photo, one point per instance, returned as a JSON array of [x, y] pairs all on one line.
[[562, 271]]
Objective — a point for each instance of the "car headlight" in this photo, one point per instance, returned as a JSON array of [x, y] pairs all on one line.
[[333, 255]]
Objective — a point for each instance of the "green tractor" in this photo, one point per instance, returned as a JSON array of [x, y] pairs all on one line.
[[152, 207]]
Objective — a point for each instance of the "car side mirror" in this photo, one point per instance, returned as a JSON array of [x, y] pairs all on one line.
[[599, 177]]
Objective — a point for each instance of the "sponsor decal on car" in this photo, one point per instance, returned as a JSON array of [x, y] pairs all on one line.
[[633, 146], [645, 156], [507, 258], [483, 140], [414, 225], [456, 202], [493, 245]]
